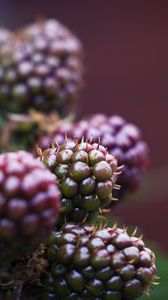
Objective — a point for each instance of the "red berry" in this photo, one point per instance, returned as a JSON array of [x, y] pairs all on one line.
[[29, 203]]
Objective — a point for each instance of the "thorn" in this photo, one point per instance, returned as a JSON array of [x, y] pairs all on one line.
[[84, 220], [155, 283], [94, 230], [114, 226], [105, 225], [101, 226], [118, 173], [117, 187], [131, 261], [86, 144], [56, 144], [140, 238], [66, 138], [100, 211], [91, 139], [135, 231], [106, 210], [125, 229], [76, 140], [114, 199], [120, 167], [39, 151], [147, 293]]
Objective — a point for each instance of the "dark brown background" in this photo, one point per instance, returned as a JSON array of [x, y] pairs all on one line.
[[126, 45]]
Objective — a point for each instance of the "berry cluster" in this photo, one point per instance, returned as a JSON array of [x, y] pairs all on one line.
[[122, 139], [47, 246], [86, 174], [29, 203], [43, 71], [90, 263]]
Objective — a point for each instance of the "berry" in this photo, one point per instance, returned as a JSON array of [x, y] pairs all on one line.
[[6, 38], [6, 42], [123, 140], [42, 71], [29, 203], [86, 174], [92, 263]]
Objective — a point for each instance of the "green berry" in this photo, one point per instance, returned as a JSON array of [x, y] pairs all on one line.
[[86, 177]]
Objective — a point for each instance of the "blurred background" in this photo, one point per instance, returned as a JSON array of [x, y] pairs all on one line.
[[126, 44]]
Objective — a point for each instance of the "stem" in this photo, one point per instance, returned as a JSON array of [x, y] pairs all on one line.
[[19, 290]]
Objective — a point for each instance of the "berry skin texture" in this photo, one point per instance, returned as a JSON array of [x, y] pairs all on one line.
[[122, 139], [42, 70], [92, 263], [29, 203], [86, 174]]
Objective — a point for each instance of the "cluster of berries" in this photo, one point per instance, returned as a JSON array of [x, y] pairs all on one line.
[[82, 261], [48, 248], [41, 74], [122, 139], [42, 70]]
